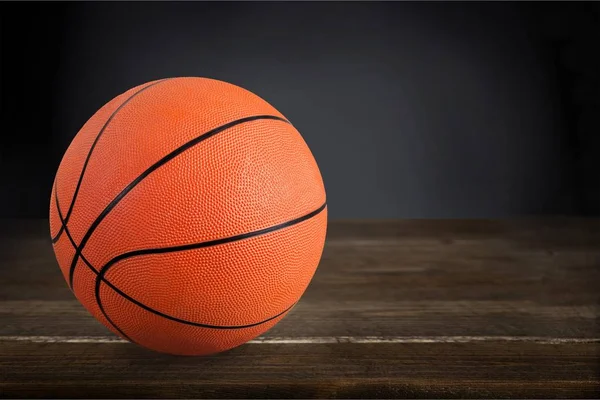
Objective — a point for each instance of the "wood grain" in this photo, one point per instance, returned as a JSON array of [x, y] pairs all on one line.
[[533, 282], [304, 371]]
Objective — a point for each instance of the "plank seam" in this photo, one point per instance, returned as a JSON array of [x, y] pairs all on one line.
[[327, 339]]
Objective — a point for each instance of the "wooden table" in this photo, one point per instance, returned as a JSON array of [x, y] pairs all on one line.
[[397, 309]]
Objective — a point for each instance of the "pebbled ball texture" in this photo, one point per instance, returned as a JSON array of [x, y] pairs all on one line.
[[188, 216]]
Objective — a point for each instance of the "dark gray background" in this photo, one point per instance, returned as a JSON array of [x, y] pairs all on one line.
[[411, 109]]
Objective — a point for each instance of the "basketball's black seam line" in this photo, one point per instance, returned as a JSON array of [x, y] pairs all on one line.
[[100, 276], [150, 309], [66, 230], [91, 267], [151, 169], [110, 118], [182, 321], [210, 243], [89, 155]]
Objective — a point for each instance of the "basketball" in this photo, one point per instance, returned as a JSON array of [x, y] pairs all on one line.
[[188, 216]]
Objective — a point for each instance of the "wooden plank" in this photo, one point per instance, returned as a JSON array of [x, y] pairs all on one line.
[[312, 317], [457, 309], [484, 280], [303, 371]]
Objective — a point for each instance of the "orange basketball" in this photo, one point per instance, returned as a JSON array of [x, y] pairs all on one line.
[[188, 215]]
